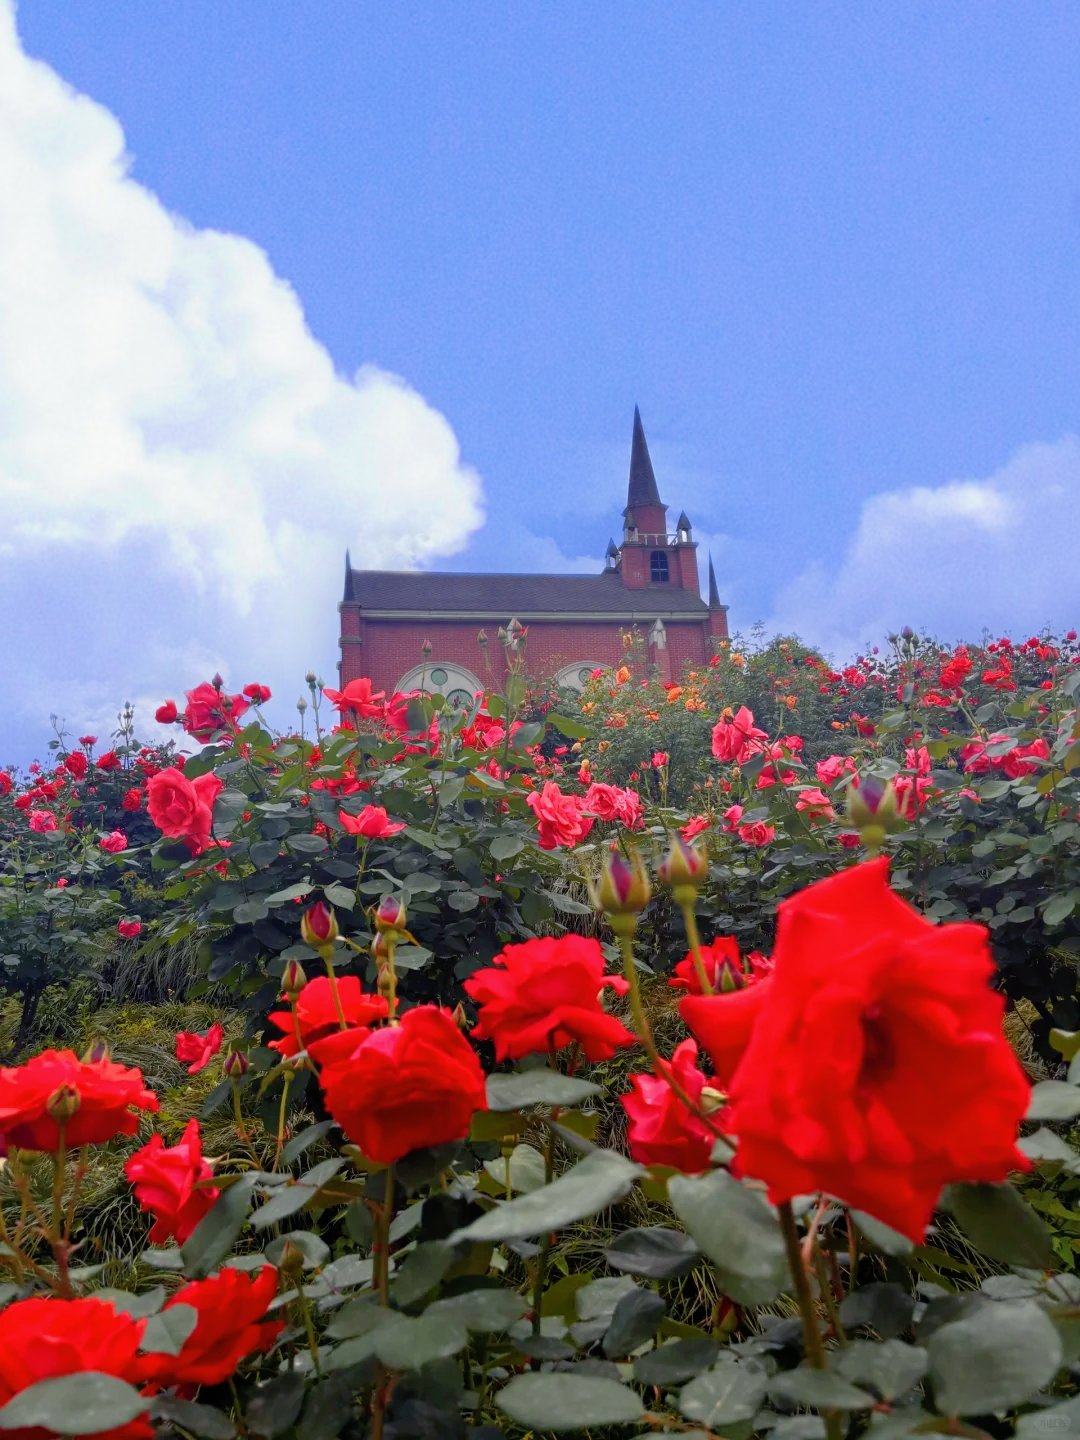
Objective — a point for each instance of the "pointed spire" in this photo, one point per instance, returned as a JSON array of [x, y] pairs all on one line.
[[612, 551], [682, 523], [642, 489], [714, 593], [348, 594]]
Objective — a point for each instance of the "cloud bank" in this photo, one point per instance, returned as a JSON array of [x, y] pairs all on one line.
[[997, 553], [181, 468]]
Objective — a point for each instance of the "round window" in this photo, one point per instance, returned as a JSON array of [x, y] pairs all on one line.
[[459, 699], [584, 675], [439, 676]]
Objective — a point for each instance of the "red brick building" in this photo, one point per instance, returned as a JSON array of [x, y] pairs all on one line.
[[575, 623]]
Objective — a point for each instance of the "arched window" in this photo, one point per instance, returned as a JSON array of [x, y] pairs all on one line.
[[460, 686], [578, 675], [658, 568]]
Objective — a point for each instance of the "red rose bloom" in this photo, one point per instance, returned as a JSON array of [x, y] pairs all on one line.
[[757, 833], [42, 821], [724, 1023], [359, 696], [317, 1014], [662, 1130], [132, 799], [209, 711], [372, 822], [735, 737], [127, 928], [231, 1307], [559, 817], [404, 1087], [75, 764], [44, 1339], [257, 694], [109, 761], [114, 842], [6, 783], [165, 1181], [196, 1051], [545, 994], [877, 1070], [99, 1097], [183, 809], [725, 967], [167, 713]]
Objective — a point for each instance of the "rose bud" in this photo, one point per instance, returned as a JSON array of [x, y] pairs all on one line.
[[624, 887], [293, 978], [390, 915], [236, 1065], [63, 1103], [97, 1051], [318, 926], [684, 866], [167, 713]]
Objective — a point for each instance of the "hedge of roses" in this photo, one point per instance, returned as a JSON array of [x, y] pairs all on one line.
[[449, 934]]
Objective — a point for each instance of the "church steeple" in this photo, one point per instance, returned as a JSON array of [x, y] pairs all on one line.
[[348, 593], [714, 593], [641, 492]]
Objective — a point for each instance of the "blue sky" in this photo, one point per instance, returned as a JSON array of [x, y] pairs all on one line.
[[833, 251]]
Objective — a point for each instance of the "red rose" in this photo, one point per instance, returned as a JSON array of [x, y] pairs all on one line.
[[559, 817], [662, 1130], [735, 737], [114, 842], [757, 833], [181, 808], [196, 1051], [257, 694], [209, 710], [127, 928], [132, 799], [725, 968], [357, 695], [696, 825], [724, 1023], [317, 1014], [545, 994], [100, 1100], [42, 821], [6, 783], [372, 823], [877, 1070], [165, 1181], [44, 1339], [109, 761], [75, 764], [404, 1087], [167, 713], [231, 1308]]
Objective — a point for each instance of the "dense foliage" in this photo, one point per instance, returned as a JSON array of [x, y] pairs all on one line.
[[529, 1115]]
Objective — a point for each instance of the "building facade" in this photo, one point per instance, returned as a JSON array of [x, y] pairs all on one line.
[[575, 623]]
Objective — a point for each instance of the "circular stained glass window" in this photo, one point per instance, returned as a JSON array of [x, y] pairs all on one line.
[[584, 675], [459, 699], [439, 676]]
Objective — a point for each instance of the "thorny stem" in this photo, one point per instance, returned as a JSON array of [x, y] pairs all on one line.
[[380, 1249], [815, 1349], [828, 1298], [281, 1117]]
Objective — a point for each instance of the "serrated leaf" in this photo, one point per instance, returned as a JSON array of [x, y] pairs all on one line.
[[889, 1367], [568, 1402], [677, 1361], [218, 1230], [272, 1408], [537, 1087], [653, 1252], [421, 1271], [1054, 1100], [882, 1237], [636, 1319], [484, 1310], [81, 1404], [305, 1138], [821, 1389], [738, 1230], [1000, 1223], [993, 1359], [596, 1182], [505, 847], [412, 1344], [526, 1169], [205, 1421], [883, 1306], [166, 1331], [730, 1392]]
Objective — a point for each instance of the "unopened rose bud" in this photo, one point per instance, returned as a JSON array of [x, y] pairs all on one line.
[[728, 978], [482, 639], [873, 810], [684, 866], [382, 948], [385, 984], [301, 704], [97, 1051], [291, 1259], [425, 649], [711, 1100], [293, 979], [461, 1020], [907, 633], [623, 888], [309, 678], [390, 915], [63, 1103], [236, 1065], [318, 925], [217, 682]]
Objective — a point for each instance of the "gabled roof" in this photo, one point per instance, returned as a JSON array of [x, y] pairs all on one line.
[[498, 597], [642, 487]]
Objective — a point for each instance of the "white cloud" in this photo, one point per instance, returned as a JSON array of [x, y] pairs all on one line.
[[161, 395], [997, 553]]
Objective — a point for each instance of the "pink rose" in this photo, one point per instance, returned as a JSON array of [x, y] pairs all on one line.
[[42, 821], [736, 737], [114, 842], [559, 817], [372, 822], [757, 833]]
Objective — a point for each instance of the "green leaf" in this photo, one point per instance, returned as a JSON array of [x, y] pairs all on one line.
[[1046, 1147], [421, 1271], [821, 1389], [537, 1087], [137, 1306], [881, 1236], [728, 1393], [340, 895], [505, 847], [463, 900], [166, 1331], [289, 1198], [1059, 908], [883, 1306], [484, 1310], [572, 729], [993, 1359], [589, 1187], [411, 1344], [249, 911], [568, 1402], [303, 844], [291, 892], [636, 1319], [738, 1230], [526, 1169], [205, 1421], [999, 1222], [328, 1409], [304, 1139], [217, 1232], [1054, 1100], [676, 1362], [654, 1252], [170, 1259], [82, 1404], [272, 1408], [313, 1248], [889, 1367]]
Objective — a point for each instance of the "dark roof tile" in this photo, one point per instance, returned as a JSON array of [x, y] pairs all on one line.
[[506, 596]]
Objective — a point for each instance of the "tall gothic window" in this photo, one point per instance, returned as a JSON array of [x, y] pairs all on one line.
[[658, 567]]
